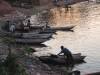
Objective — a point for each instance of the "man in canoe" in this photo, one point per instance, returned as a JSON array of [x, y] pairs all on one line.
[[21, 25], [68, 56]]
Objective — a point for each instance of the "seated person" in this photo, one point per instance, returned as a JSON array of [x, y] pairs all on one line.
[[28, 23], [12, 28]]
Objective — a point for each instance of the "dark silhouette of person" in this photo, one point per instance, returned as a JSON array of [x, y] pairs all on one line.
[[68, 56], [21, 25], [29, 24]]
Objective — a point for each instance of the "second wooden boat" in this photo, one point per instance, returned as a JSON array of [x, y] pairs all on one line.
[[30, 41]]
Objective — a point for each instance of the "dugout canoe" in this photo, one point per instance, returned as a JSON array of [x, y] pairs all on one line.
[[60, 60]]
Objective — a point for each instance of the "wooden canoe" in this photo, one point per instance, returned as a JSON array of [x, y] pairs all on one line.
[[54, 29], [60, 60], [30, 41], [32, 35], [96, 73], [27, 35], [67, 28]]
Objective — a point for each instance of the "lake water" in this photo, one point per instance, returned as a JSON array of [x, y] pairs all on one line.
[[85, 38]]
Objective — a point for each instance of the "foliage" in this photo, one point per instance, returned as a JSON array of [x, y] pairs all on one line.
[[10, 63], [28, 50], [11, 67], [8, 40]]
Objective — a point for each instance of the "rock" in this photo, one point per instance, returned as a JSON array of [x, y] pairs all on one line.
[[38, 74], [45, 66]]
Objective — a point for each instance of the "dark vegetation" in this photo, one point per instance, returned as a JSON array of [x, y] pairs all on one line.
[[9, 65]]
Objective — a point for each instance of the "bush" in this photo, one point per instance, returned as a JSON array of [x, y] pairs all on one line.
[[11, 67], [29, 50]]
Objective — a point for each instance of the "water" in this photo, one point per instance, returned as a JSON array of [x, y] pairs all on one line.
[[85, 38]]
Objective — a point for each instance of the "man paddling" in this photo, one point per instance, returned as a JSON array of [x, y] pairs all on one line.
[[68, 56]]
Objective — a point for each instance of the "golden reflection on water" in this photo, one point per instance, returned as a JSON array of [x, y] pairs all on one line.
[[64, 17]]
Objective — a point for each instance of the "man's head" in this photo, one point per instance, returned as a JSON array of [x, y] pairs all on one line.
[[62, 47], [28, 20], [7, 21]]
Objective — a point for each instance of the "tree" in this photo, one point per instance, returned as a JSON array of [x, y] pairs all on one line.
[[10, 66]]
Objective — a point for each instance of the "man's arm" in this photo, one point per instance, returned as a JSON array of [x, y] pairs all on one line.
[[60, 53]]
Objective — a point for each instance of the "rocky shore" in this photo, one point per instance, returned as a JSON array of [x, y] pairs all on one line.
[[31, 63]]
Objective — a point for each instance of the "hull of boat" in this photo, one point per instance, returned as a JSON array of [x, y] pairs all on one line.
[[30, 41], [32, 36], [96, 73], [68, 28], [29, 35], [60, 60]]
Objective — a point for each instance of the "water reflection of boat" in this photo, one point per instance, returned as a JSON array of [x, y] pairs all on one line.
[[60, 60]]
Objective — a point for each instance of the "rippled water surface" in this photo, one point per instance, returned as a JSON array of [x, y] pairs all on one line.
[[86, 35]]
